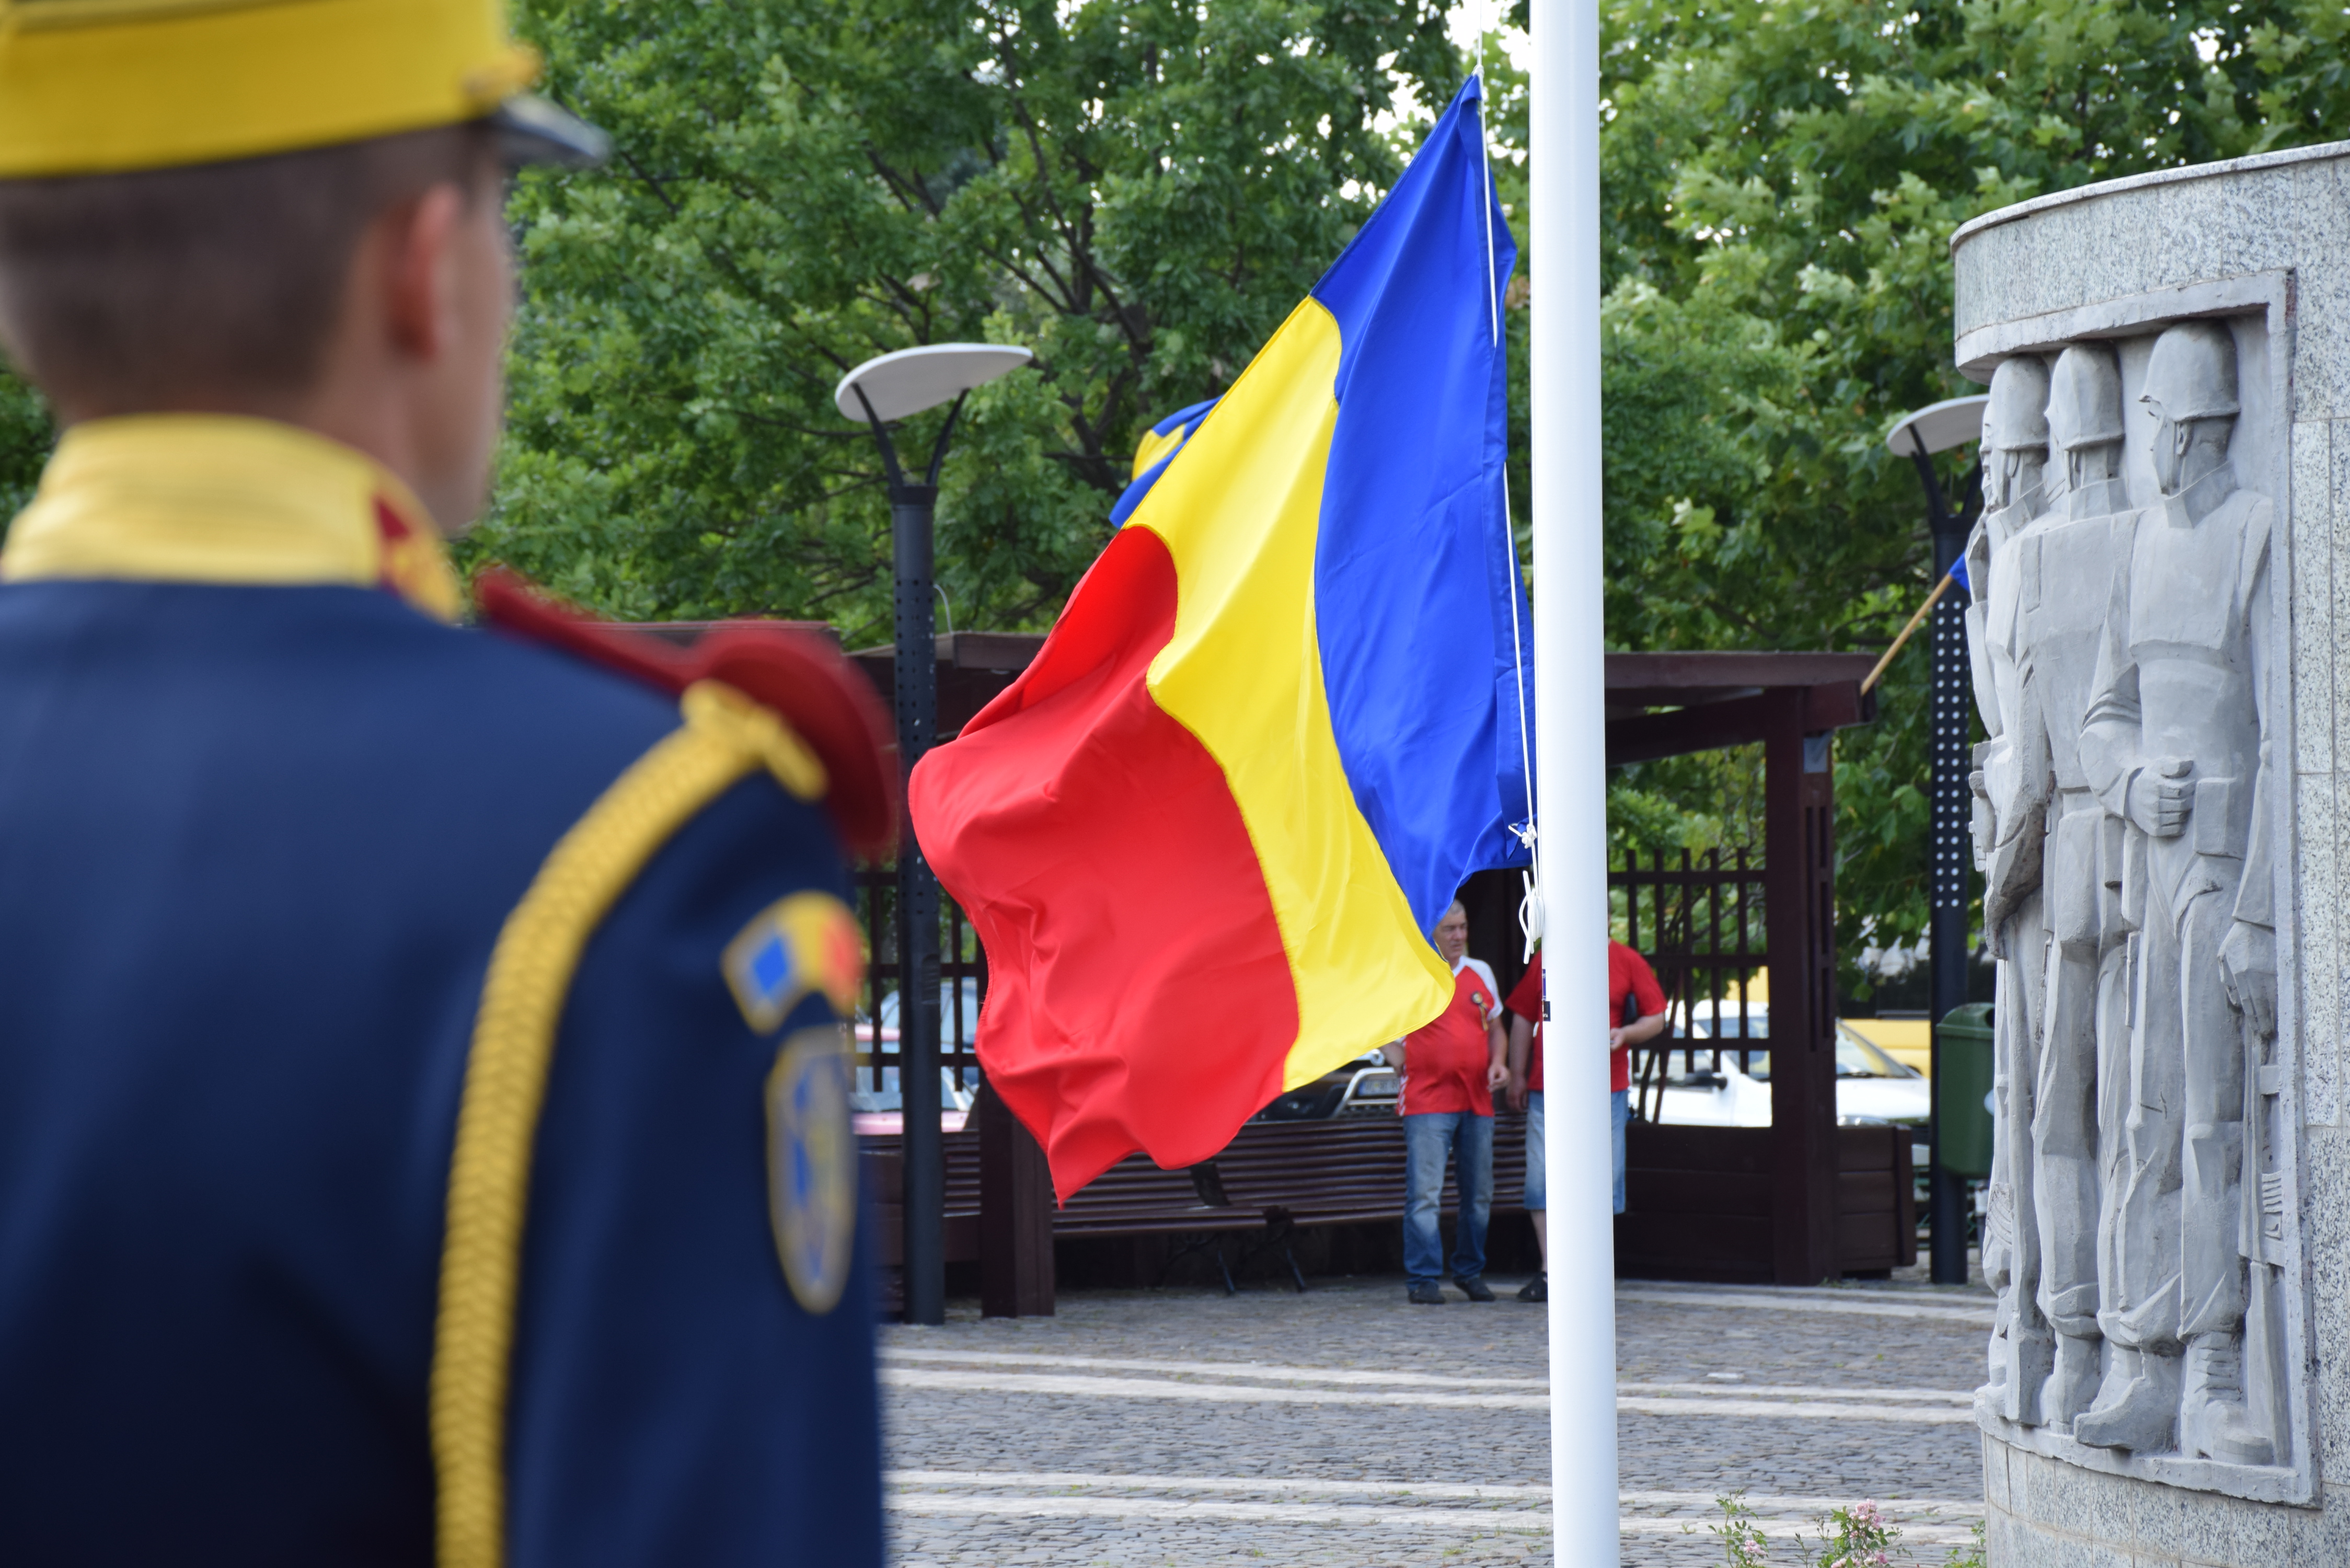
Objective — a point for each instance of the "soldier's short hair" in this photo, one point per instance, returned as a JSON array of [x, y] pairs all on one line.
[[123, 293]]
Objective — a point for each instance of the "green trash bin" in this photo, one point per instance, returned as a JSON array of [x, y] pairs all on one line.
[[1962, 1080]]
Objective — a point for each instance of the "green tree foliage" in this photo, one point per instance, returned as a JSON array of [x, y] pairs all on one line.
[[1138, 191], [1782, 181], [25, 443]]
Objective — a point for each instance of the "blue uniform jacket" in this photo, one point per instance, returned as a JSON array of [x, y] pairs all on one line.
[[256, 844]]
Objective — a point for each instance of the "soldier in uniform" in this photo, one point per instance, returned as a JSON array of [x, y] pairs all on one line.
[[2176, 745], [2062, 563], [2013, 807], [423, 1126]]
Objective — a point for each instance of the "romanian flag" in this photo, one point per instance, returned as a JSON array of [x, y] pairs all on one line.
[[1205, 836]]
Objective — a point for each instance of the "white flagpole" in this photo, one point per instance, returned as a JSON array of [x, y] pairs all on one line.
[[1570, 727]]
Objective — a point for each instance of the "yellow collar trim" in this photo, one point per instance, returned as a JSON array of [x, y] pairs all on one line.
[[205, 498]]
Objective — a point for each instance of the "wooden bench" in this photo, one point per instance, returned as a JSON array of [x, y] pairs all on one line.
[[1272, 1178], [1350, 1170], [1135, 1198]]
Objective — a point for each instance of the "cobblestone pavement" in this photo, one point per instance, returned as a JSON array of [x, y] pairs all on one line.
[[1182, 1427]]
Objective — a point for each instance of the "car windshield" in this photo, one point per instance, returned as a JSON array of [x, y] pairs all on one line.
[[1731, 1023], [1697, 1066], [952, 1096], [1856, 1058], [970, 989]]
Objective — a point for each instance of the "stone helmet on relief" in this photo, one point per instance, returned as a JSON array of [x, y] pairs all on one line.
[[2085, 419], [2190, 378], [2084, 398], [2015, 432], [2192, 374]]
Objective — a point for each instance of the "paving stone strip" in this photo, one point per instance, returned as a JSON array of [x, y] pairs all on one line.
[[1834, 1303], [1719, 1383], [1148, 1388], [1806, 1391], [1233, 1483], [1145, 1388], [1896, 1508], [1430, 1521], [1212, 1368]]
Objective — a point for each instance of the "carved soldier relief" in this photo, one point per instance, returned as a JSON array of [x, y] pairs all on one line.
[[2121, 631], [2011, 809]]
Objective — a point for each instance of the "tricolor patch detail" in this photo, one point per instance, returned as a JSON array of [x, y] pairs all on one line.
[[804, 945], [812, 1166]]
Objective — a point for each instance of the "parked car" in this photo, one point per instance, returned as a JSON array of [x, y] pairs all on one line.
[[882, 1110], [1365, 1084], [1874, 1086], [1704, 1090], [1907, 1040], [1699, 1024], [878, 1109], [884, 1040], [968, 987]]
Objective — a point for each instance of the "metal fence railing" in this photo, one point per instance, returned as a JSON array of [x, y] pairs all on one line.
[[963, 986], [1698, 919]]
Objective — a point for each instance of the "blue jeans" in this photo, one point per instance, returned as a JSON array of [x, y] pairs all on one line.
[[1538, 1153], [1428, 1138], [1620, 1114]]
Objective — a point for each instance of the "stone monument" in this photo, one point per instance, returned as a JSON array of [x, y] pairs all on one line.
[[2153, 630]]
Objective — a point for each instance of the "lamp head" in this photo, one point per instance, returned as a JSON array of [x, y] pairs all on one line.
[[1937, 427], [911, 379]]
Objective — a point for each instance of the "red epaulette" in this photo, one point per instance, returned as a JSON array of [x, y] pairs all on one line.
[[805, 681]]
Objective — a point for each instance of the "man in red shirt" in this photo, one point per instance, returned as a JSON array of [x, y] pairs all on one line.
[[1451, 1069], [1635, 1014]]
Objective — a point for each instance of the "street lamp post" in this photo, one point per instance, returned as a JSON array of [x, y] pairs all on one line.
[[1938, 428], [879, 392]]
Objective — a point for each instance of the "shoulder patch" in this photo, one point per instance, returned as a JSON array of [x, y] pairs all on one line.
[[805, 944], [812, 1166]]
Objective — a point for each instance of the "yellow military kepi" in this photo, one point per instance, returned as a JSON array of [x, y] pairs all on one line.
[[106, 86]]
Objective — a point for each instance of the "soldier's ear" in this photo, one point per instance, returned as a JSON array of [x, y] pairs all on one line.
[[416, 246]]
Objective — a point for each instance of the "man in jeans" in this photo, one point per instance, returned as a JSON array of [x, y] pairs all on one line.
[[1635, 1014], [1451, 1069]]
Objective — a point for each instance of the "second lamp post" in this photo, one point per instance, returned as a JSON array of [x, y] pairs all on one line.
[[878, 393], [1950, 856]]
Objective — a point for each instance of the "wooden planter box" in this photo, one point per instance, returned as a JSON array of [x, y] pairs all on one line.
[[1697, 1204]]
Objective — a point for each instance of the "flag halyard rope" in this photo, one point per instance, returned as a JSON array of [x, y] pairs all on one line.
[[1530, 913]]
